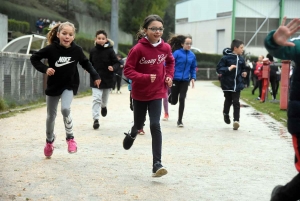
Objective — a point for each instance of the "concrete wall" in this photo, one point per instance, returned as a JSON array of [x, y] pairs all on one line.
[[205, 33], [3, 30]]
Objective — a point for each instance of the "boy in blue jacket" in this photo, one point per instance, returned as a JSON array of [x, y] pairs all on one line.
[[232, 68], [278, 44]]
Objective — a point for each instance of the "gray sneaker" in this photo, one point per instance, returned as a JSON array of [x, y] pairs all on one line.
[[236, 125]]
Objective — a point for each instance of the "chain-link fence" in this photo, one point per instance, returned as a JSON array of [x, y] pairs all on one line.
[[21, 83]]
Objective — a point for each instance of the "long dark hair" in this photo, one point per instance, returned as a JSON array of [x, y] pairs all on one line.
[[176, 41], [141, 34]]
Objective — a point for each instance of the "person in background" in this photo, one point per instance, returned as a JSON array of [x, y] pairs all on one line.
[[39, 26], [63, 79], [273, 76], [118, 74], [232, 68], [185, 71], [258, 74], [279, 44], [105, 62]]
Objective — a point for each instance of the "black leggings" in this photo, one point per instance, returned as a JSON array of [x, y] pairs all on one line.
[[154, 109], [179, 89]]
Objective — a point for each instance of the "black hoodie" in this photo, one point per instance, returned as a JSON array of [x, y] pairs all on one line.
[[64, 61], [101, 57]]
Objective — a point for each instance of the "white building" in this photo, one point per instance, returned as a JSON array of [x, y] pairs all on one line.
[[213, 24]]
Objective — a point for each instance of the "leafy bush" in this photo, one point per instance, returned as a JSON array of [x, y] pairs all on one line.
[[21, 26], [124, 48], [86, 43]]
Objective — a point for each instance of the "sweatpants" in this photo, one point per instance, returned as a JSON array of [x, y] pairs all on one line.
[[232, 98], [52, 102], [154, 110], [100, 98]]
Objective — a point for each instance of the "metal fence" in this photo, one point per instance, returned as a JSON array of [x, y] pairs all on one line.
[[207, 74], [21, 83]]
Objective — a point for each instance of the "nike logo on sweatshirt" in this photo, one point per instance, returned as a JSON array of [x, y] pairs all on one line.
[[62, 61]]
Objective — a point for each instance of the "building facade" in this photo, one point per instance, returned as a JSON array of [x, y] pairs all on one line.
[[213, 24]]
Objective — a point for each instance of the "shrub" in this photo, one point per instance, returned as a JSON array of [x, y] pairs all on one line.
[[21, 26]]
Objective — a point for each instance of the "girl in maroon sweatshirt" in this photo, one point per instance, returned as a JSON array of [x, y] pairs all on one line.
[[150, 66]]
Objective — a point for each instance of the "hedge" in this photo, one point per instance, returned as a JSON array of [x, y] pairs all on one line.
[[15, 25]]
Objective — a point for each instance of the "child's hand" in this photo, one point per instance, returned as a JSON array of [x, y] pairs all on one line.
[[50, 71], [97, 83], [110, 68], [168, 81], [244, 74], [232, 67], [193, 83], [152, 77], [284, 32]]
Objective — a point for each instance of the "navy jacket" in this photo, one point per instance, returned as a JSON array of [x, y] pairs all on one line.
[[231, 80]]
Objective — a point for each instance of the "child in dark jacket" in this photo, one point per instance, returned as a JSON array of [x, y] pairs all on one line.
[[278, 44], [105, 62], [232, 69]]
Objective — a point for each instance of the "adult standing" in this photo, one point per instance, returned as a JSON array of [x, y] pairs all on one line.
[[185, 71]]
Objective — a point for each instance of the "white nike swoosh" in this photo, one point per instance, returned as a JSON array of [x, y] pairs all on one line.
[[62, 64]]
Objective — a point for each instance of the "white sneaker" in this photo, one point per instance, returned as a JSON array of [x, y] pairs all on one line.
[[236, 125]]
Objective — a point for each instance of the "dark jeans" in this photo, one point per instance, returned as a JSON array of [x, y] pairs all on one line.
[[179, 90], [259, 86], [275, 85], [117, 81], [154, 110], [232, 98], [291, 191]]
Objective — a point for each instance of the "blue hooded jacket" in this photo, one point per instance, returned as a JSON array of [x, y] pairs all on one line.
[[185, 65], [231, 80]]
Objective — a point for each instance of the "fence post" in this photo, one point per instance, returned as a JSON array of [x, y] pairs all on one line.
[[265, 79], [285, 84]]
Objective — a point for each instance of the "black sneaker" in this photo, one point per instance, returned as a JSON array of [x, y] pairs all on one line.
[[103, 111], [274, 196], [128, 140], [96, 124], [158, 170], [179, 124], [226, 118]]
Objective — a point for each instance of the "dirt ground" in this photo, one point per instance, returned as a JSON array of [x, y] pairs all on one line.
[[206, 160]]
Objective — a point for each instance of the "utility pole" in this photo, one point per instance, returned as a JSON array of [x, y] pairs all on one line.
[[114, 24]]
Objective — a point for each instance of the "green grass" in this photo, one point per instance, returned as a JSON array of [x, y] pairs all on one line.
[[270, 108]]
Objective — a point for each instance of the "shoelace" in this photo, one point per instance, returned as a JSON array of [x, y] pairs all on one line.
[[128, 134]]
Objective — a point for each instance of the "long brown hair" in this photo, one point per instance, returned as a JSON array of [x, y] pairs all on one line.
[[176, 41], [52, 34]]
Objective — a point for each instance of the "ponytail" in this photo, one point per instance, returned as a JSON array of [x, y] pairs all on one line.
[[51, 36]]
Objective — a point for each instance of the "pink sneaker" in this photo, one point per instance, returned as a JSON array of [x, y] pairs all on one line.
[[72, 146], [141, 132], [48, 150]]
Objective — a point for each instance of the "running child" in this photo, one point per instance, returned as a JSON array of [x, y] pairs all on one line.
[[63, 55], [150, 66]]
